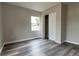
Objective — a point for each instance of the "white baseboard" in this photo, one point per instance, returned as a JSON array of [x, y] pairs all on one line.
[[72, 42], [21, 40], [2, 48], [56, 41]]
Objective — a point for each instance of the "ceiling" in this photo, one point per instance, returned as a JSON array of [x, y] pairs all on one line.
[[37, 6]]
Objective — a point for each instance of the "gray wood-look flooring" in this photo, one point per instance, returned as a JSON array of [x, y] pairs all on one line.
[[40, 47]]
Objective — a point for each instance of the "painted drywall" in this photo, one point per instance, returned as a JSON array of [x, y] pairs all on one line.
[[0, 26], [73, 24], [52, 26], [17, 23], [1, 37], [59, 9], [55, 9], [63, 22]]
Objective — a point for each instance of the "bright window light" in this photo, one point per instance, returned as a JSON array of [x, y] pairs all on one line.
[[35, 23]]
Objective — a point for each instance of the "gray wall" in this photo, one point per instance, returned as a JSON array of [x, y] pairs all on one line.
[[55, 9], [60, 10], [0, 26], [73, 24], [1, 37], [17, 23], [63, 22]]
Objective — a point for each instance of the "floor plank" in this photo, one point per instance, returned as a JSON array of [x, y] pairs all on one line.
[[40, 47]]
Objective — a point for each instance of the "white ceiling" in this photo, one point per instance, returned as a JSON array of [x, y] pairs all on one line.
[[38, 6]]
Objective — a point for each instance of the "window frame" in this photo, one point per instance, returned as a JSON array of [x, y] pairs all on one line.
[[38, 24]]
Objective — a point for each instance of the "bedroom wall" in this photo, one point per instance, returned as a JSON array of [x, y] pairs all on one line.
[[73, 23], [17, 23], [59, 21], [60, 10], [1, 37]]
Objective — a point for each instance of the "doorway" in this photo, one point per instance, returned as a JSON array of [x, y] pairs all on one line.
[[46, 26]]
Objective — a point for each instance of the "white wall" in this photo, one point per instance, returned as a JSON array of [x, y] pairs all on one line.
[[52, 26], [17, 23], [73, 24], [55, 9], [60, 10]]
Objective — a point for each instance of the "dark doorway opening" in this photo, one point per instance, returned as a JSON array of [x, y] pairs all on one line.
[[46, 26]]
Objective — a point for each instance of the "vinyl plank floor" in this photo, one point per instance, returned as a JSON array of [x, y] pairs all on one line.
[[40, 47]]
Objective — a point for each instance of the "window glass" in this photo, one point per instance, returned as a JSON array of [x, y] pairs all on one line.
[[35, 23]]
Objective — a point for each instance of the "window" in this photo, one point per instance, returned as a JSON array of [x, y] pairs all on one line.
[[35, 23]]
